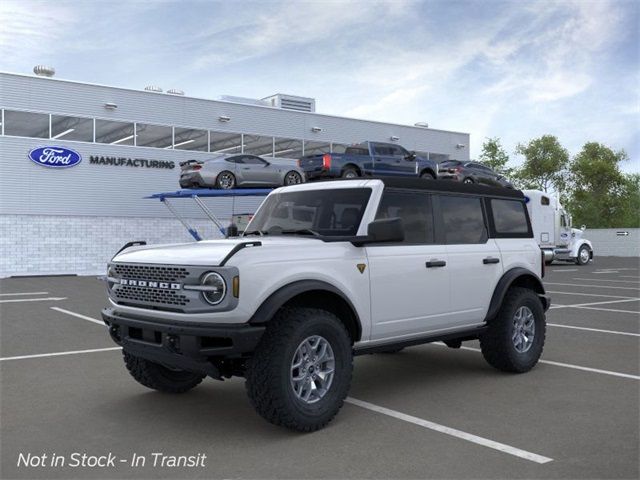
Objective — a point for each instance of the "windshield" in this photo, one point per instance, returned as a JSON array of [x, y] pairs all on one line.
[[331, 212]]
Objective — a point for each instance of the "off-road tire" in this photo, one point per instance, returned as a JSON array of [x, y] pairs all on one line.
[[157, 377], [350, 172], [496, 343], [269, 369], [578, 258]]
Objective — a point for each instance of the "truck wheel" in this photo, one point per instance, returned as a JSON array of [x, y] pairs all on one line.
[[514, 339], [158, 377], [350, 172], [427, 176], [300, 372], [584, 255], [225, 180]]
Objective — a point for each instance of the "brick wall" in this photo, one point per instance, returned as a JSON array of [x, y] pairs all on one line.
[[46, 245]]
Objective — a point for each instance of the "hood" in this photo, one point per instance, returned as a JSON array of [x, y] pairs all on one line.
[[577, 233], [205, 253]]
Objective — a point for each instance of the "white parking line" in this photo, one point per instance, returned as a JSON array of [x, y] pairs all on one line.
[[605, 272], [589, 294], [50, 299], [592, 286], [74, 314], [485, 442], [632, 312], [565, 365], [629, 276], [593, 303], [562, 271], [607, 280], [58, 354], [23, 293], [598, 330]]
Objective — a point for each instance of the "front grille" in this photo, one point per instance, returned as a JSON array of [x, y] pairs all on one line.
[[151, 295], [153, 273]]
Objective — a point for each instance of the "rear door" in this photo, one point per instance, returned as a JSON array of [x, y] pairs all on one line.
[[474, 261], [383, 159], [409, 280]]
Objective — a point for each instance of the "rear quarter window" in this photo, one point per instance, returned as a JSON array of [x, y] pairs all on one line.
[[510, 218]]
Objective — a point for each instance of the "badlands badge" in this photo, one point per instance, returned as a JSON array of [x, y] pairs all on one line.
[[361, 267]]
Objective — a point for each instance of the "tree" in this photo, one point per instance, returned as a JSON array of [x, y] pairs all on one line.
[[544, 165], [494, 156], [601, 195]]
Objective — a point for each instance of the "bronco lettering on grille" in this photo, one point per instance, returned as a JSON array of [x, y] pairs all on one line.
[[149, 284]]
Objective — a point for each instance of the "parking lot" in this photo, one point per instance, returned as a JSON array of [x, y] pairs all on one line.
[[427, 412]]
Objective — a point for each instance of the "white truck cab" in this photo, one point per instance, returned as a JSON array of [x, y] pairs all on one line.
[[552, 229]]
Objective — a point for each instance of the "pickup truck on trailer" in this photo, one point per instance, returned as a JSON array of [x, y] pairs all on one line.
[[367, 159], [326, 271]]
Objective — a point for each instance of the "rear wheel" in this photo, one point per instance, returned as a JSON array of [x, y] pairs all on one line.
[[225, 180], [292, 178], [300, 372], [584, 255], [468, 180], [158, 377], [349, 172], [514, 339]]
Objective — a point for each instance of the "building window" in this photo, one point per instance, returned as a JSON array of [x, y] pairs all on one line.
[[225, 143], [26, 124], [72, 128], [190, 139], [115, 133], [258, 145], [316, 148], [157, 136], [287, 148]]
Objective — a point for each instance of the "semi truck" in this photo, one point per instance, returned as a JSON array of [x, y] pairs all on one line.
[[553, 230]]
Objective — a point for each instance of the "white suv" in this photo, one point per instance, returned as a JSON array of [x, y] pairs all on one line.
[[326, 271]]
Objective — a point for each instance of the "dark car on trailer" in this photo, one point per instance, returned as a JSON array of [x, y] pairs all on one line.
[[471, 172]]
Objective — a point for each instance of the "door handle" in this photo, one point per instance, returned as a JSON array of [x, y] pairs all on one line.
[[436, 263], [246, 168], [489, 260]]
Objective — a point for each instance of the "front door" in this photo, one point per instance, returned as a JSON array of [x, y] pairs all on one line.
[[410, 280]]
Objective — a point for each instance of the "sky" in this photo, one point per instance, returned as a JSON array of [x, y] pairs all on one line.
[[509, 69]]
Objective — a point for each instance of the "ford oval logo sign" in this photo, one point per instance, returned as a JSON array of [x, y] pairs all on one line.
[[55, 157]]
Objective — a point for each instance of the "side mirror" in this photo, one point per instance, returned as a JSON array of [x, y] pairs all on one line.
[[383, 230], [583, 228], [232, 231], [411, 156]]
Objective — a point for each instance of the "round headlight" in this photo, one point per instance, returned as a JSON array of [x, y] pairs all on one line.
[[216, 288]]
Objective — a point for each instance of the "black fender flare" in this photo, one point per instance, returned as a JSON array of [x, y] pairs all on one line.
[[518, 276], [277, 299], [430, 171]]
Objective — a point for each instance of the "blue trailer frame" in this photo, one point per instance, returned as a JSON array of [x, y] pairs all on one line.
[[197, 195]]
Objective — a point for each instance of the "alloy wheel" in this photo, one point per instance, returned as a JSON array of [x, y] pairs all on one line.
[[524, 329], [312, 369]]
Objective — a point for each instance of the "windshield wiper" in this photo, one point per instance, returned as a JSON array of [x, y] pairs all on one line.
[[301, 231]]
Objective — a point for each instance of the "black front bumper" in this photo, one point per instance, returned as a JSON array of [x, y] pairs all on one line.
[[193, 347]]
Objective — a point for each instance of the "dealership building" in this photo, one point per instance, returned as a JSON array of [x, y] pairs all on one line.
[[127, 144]]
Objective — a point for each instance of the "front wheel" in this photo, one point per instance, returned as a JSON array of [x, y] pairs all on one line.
[[292, 178], [427, 176], [584, 255], [158, 377], [468, 180], [225, 180], [514, 339], [300, 372]]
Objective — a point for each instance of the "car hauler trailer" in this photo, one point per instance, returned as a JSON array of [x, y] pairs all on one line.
[[553, 230]]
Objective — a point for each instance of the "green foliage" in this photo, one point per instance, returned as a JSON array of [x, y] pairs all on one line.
[[601, 196], [494, 156], [544, 166]]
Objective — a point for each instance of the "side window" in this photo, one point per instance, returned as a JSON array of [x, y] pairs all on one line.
[[544, 200], [509, 216], [382, 150], [235, 159], [398, 151], [415, 211], [463, 220], [251, 160]]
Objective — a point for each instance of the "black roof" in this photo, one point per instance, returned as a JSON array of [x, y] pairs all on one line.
[[412, 183]]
